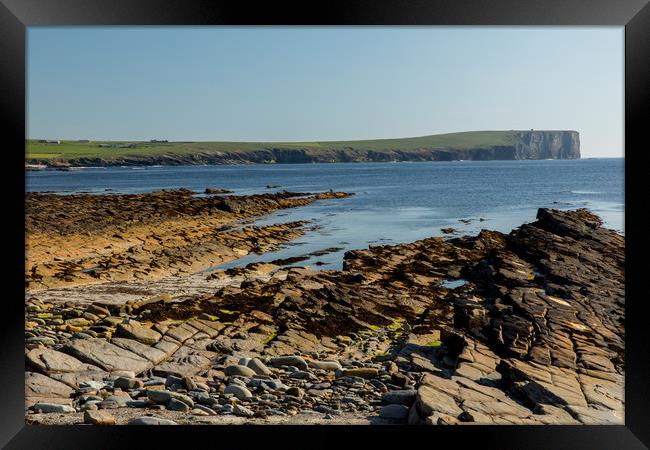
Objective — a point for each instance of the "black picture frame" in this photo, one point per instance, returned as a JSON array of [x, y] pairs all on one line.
[[634, 15]]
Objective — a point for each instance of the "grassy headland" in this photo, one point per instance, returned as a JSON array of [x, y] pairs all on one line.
[[470, 145]]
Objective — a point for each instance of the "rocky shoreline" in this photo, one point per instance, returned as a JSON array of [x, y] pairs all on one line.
[[82, 239], [518, 328]]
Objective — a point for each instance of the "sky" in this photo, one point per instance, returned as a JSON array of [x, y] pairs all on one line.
[[324, 83]]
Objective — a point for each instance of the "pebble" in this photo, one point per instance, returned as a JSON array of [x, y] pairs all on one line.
[[402, 397], [150, 420], [238, 391], [93, 384], [163, 397], [155, 381], [379, 385], [240, 410], [53, 408], [205, 409], [326, 410], [137, 403], [227, 409], [205, 399], [296, 361], [398, 412], [128, 383], [258, 367], [303, 375], [295, 392], [239, 370], [325, 365], [99, 418], [361, 372], [177, 405]]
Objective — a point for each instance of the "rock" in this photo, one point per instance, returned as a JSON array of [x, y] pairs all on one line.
[[441, 419], [394, 411], [205, 399], [238, 391], [153, 354], [49, 361], [303, 375], [258, 367], [128, 383], [78, 322], [205, 410], [137, 404], [540, 319], [295, 361], [40, 340], [93, 384], [240, 410], [107, 356], [431, 400], [217, 191], [40, 388], [399, 379], [325, 365], [177, 405], [150, 420], [138, 332], [295, 392], [163, 397], [239, 370], [414, 416], [98, 418], [52, 408], [98, 310], [362, 372], [404, 397]]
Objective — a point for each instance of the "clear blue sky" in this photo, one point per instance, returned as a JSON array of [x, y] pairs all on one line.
[[327, 83]]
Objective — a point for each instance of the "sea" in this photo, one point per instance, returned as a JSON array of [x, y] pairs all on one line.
[[392, 202]]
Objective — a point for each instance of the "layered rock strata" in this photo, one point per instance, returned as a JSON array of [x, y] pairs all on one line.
[[532, 334], [82, 239]]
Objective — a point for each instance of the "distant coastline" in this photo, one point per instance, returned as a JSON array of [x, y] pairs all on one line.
[[468, 146]]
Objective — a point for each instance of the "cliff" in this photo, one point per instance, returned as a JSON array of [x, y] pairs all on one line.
[[512, 145]]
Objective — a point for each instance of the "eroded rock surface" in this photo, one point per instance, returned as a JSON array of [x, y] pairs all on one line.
[[534, 335], [81, 239]]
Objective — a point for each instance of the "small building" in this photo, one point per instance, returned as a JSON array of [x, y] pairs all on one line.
[[159, 141], [104, 145]]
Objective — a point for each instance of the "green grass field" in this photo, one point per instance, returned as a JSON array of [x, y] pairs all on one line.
[[74, 149]]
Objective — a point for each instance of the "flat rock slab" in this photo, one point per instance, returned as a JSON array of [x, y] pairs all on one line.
[[212, 329], [40, 388], [75, 379], [432, 400], [108, 356], [139, 333], [182, 332], [153, 354], [188, 366], [48, 361]]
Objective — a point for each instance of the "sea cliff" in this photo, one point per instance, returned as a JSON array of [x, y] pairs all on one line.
[[517, 145]]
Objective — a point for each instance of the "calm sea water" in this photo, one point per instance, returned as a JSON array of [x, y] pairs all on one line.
[[393, 202]]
